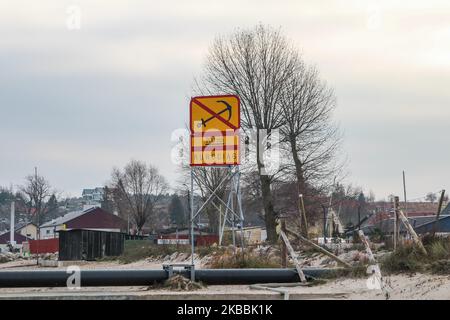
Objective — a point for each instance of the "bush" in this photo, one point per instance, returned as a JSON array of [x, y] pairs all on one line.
[[404, 259], [136, 250], [438, 250], [229, 260], [410, 259], [440, 267]]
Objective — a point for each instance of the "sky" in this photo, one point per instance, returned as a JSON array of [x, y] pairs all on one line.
[[88, 85]]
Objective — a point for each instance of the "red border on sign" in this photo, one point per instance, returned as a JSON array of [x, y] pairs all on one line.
[[218, 96], [227, 148], [234, 147]]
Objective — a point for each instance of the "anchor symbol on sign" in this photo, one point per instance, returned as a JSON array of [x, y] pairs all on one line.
[[227, 109]]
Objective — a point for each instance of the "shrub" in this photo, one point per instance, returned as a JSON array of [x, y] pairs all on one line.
[[440, 267], [229, 260], [438, 250], [404, 259]]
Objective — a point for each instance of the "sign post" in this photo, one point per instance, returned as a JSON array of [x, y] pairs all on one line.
[[215, 142]]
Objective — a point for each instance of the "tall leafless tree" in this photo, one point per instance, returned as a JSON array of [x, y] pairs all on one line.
[[36, 191], [311, 137], [254, 64], [142, 186]]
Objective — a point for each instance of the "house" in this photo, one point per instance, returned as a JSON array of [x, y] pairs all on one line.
[[93, 195], [254, 235], [441, 227], [27, 229], [446, 210], [5, 239], [90, 219], [422, 225]]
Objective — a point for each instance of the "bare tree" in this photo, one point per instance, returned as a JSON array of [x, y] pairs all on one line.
[[311, 137], [254, 64], [36, 191], [431, 197], [142, 186]]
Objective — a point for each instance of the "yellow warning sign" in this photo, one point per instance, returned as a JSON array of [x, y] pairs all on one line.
[[215, 113], [215, 123]]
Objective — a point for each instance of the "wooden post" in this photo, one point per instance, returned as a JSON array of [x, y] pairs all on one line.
[[293, 256], [396, 223], [366, 243], [303, 214], [283, 245], [376, 268], [436, 222], [319, 248], [411, 231]]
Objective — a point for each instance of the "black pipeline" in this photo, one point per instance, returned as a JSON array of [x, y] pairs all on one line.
[[105, 278]]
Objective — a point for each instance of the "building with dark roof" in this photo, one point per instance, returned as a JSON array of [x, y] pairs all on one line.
[[18, 238], [91, 219]]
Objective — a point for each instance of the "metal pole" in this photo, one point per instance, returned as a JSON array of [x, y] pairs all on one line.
[[220, 222], [324, 224], [192, 217], [12, 221], [38, 222]]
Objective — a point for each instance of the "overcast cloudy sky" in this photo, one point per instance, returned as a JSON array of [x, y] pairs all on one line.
[[76, 102]]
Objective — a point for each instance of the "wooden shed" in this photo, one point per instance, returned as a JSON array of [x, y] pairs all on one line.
[[81, 244]]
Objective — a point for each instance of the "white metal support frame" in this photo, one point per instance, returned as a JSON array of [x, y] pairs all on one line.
[[230, 215]]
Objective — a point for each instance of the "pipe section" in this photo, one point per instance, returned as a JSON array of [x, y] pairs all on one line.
[[105, 278]]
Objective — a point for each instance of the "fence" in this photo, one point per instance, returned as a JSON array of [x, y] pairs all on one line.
[[44, 246]]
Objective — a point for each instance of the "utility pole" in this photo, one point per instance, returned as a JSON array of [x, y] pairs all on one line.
[[12, 224], [396, 222], [436, 222], [404, 194], [35, 190]]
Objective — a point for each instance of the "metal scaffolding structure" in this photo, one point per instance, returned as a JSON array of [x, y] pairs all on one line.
[[233, 215]]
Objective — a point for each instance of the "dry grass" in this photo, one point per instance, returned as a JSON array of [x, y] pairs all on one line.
[[136, 250], [409, 258], [249, 258]]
